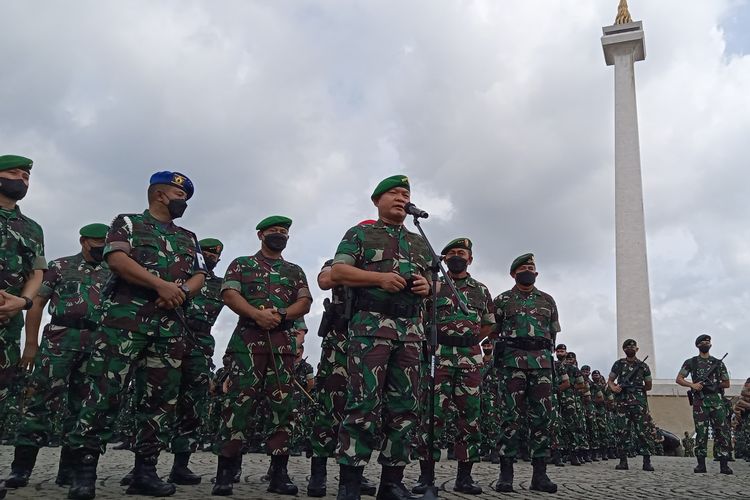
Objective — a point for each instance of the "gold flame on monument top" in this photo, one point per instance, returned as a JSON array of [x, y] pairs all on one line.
[[623, 14]]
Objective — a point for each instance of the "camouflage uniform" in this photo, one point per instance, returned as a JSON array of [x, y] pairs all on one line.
[[384, 346], [73, 287], [259, 369], [688, 445], [303, 372], [573, 425], [560, 439], [708, 405], [133, 327], [631, 407], [458, 366], [21, 253], [492, 410], [528, 323], [197, 365]]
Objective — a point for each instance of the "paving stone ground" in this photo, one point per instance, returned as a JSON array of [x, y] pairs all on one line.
[[673, 478]]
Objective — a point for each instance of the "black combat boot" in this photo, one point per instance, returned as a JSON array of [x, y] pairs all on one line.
[[587, 456], [180, 473], [603, 454], [65, 467], [724, 466], [224, 474], [424, 477], [146, 481], [280, 482], [84, 474], [593, 453], [504, 482], [647, 463], [612, 453], [367, 487], [24, 458], [3, 491], [701, 467], [495, 456], [392, 486], [539, 479], [464, 482], [574, 458], [623, 465], [237, 469], [127, 478], [557, 459], [350, 479], [316, 487]]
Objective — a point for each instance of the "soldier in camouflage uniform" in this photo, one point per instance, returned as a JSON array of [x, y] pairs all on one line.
[[156, 266], [305, 377], [589, 410], [527, 320], [269, 294], [601, 394], [561, 440], [688, 445], [197, 364], [72, 286], [708, 404], [22, 263], [633, 378], [388, 266], [572, 425], [458, 370], [491, 404]]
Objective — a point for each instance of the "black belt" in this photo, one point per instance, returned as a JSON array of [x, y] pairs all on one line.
[[454, 341], [78, 324], [393, 309], [249, 323], [526, 343]]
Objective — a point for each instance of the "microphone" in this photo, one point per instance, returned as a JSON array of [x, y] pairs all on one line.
[[411, 209]]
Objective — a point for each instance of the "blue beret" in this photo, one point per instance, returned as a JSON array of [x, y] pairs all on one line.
[[175, 179]]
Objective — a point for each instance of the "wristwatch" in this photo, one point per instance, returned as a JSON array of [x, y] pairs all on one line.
[[185, 289], [282, 312], [28, 304]]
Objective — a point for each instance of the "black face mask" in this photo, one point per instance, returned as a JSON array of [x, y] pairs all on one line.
[[276, 241], [97, 253], [176, 208], [704, 348], [456, 264], [630, 353], [15, 189], [211, 263], [526, 278]]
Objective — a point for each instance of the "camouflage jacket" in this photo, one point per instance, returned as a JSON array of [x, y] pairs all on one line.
[[205, 307], [527, 315], [621, 371], [386, 248], [21, 252], [561, 376], [452, 322], [575, 377], [73, 287], [697, 368], [163, 249], [265, 283]]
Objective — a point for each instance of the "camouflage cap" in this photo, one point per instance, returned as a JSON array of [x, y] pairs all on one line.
[[389, 183], [274, 220], [629, 343], [464, 243], [527, 258], [175, 179], [702, 338], [211, 244], [95, 230], [9, 162]]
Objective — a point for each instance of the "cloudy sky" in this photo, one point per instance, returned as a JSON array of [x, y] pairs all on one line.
[[501, 113]]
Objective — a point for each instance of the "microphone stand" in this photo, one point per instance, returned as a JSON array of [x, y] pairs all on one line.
[[435, 268]]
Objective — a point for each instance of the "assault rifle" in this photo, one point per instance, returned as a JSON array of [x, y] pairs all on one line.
[[627, 382], [708, 388]]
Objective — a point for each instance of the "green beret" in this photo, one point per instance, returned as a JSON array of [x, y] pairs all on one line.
[[628, 343], [702, 338], [9, 162], [586, 367], [527, 258], [211, 244], [274, 220], [389, 183], [457, 243], [97, 231]]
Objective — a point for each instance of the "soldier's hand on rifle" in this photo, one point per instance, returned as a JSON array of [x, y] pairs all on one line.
[[616, 389], [170, 295], [421, 286], [267, 319], [392, 282], [697, 387]]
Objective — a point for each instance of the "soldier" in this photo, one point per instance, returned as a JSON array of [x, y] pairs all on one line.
[[590, 415], [573, 422], [458, 374], [600, 395], [527, 320], [156, 266], [22, 264], [562, 442], [72, 286], [491, 401], [633, 382], [709, 379], [268, 294], [197, 364], [688, 444], [387, 266], [305, 377]]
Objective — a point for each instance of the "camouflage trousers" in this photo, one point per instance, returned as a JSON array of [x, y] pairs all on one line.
[[602, 431], [330, 394], [383, 384], [192, 402], [10, 355], [630, 423], [572, 427], [491, 420], [459, 387], [115, 352], [253, 378], [713, 412], [57, 388], [592, 429], [528, 404]]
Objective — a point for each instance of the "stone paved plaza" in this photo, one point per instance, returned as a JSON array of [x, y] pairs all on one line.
[[673, 478]]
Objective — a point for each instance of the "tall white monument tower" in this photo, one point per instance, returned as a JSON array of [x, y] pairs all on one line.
[[623, 46]]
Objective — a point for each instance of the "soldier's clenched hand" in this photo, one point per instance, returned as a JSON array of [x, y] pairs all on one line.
[[392, 282], [170, 295], [268, 319], [421, 286]]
